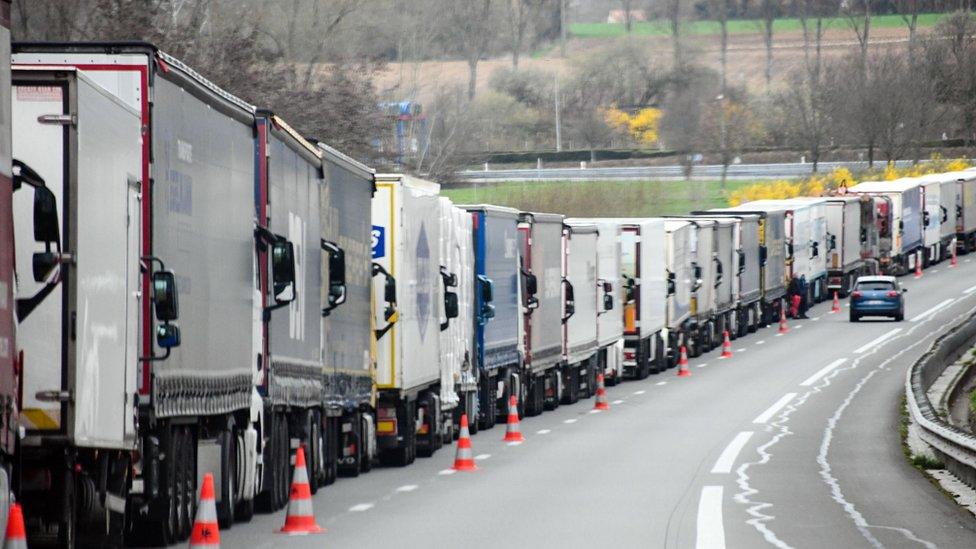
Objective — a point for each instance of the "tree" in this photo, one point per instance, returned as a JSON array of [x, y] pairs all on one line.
[[908, 9], [804, 114], [689, 91], [860, 23], [769, 10], [628, 20], [673, 10], [471, 26]]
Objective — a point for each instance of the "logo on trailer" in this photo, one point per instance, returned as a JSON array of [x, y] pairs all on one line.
[[423, 281], [379, 241]]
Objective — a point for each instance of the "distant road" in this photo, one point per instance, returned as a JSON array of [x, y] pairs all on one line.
[[700, 171]]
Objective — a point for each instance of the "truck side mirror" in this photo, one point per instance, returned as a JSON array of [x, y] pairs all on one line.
[[165, 296], [671, 284], [168, 336], [42, 263], [762, 256], [925, 218], [719, 272], [487, 288], [570, 303], [283, 271], [607, 302], [451, 309], [833, 242], [389, 290], [45, 216], [789, 251], [389, 296], [337, 276], [815, 249], [607, 287], [742, 261], [945, 214], [698, 278], [864, 235], [531, 284]]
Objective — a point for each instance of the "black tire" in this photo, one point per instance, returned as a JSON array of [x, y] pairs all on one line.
[[266, 500], [365, 461], [899, 317], [228, 472], [534, 396], [853, 317], [492, 404], [283, 462], [313, 452], [189, 479]]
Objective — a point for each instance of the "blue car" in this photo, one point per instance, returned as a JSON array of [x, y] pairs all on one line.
[[877, 296]]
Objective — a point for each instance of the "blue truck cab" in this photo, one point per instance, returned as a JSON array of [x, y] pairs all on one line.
[[498, 313]]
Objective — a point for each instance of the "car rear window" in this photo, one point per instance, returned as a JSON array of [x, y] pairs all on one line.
[[875, 286]]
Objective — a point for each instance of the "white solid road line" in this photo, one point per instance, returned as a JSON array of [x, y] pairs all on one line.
[[768, 414], [727, 459], [876, 341], [933, 310], [711, 532], [823, 371], [361, 507], [969, 290]]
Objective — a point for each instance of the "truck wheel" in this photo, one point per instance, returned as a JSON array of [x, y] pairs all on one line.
[[533, 393], [365, 459], [283, 462], [313, 451], [244, 511], [228, 476], [68, 525], [407, 451]]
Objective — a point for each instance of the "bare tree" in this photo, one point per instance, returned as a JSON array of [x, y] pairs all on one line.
[[769, 11], [673, 8], [520, 13], [804, 113], [860, 23], [471, 26], [720, 10], [628, 19], [908, 9]]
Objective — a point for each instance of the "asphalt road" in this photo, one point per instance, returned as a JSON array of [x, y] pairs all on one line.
[[793, 442], [699, 171]]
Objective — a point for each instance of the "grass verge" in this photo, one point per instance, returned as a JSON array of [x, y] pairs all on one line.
[[738, 26], [600, 198]]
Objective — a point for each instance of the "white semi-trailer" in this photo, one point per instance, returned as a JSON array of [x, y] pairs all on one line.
[[847, 241], [581, 309], [406, 246], [171, 184], [610, 320], [899, 206], [681, 284], [540, 246], [459, 382]]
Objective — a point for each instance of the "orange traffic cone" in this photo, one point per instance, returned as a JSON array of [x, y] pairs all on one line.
[[16, 536], [512, 432], [683, 370], [601, 394], [300, 518], [953, 262], [918, 266], [463, 460], [206, 531], [783, 328], [726, 346], [836, 307]]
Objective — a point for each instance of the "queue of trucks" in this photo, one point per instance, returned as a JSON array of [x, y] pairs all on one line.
[[188, 285]]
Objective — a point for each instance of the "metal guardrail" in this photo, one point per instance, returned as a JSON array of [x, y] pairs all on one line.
[[701, 171], [955, 446]]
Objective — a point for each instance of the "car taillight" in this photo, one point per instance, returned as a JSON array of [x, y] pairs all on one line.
[[856, 295], [892, 293]]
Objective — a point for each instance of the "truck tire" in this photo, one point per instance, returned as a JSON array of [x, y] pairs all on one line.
[[187, 483], [406, 452], [534, 392], [487, 405], [283, 462], [68, 525], [365, 459], [228, 476]]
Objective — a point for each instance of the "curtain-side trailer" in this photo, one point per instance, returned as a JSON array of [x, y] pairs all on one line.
[[288, 184], [581, 309], [348, 356], [610, 320], [406, 246], [497, 308], [681, 283], [540, 246], [189, 179], [812, 210], [458, 380], [702, 335], [900, 209]]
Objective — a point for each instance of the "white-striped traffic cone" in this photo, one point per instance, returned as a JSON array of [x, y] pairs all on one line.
[[16, 535], [512, 431], [464, 460], [300, 519], [683, 370], [601, 394], [726, 346], [206, 531]]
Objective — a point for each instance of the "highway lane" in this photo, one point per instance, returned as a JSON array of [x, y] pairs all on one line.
[[792, 442]]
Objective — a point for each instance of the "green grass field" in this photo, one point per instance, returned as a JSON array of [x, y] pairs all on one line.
[[600, 198], [738, 26]]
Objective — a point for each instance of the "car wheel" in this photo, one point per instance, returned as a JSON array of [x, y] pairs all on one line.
[[854, 317], [899, 317]]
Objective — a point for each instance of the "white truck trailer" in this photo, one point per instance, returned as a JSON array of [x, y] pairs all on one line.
[[610, 320], [543, 304], [900, 209], [406, 246], [848, 242], [459, 382], [583, 300], [681, 284]]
